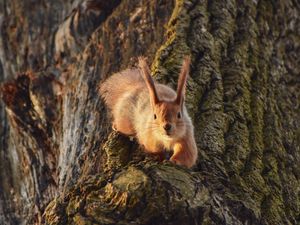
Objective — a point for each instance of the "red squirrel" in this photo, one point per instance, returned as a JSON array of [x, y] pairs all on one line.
[[152, 112]]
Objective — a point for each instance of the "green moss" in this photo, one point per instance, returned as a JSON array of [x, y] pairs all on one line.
[[55, 213], [272, 209], [118, 151], [80, 220], [74, 206], [166, 190], [169, 56]]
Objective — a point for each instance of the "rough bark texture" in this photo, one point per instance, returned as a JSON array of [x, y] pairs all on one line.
[[243, 94]]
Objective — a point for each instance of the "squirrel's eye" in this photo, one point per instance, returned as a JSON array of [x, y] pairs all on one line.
[[178, 115], [154, 116]]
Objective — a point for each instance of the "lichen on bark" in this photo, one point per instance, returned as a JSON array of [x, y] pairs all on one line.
[[136, 195]]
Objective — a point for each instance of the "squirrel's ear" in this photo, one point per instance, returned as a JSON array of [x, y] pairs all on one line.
[[185, 69], [148, 79]]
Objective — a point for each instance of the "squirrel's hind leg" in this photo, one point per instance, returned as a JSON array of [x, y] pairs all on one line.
[[131, 136], [123, 126]]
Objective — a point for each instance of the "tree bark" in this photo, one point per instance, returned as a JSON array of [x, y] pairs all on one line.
[[61, 163]]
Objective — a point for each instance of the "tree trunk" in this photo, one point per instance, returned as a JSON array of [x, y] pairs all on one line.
[[57, 147]]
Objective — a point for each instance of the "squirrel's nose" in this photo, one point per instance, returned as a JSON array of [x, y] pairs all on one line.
[[167, 127]]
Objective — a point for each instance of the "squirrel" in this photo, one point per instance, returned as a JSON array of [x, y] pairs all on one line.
[[154, 113]]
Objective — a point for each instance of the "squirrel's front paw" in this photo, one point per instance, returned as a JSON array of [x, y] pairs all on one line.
[[185, 153], [183, 159], [176, 161]]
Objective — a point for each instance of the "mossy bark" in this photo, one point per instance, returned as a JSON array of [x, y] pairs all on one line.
[[243, 95]]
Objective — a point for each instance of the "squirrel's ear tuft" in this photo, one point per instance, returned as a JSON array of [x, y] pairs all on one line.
[[185, 69], [148, 79]]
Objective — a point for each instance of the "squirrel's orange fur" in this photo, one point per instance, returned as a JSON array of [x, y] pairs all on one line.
[[153, 112]]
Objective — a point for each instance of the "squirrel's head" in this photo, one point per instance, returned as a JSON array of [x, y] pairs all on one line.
[[168, 119], [168, 116]]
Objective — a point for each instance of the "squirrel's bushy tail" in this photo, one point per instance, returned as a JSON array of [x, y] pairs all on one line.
[[119, 84]]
